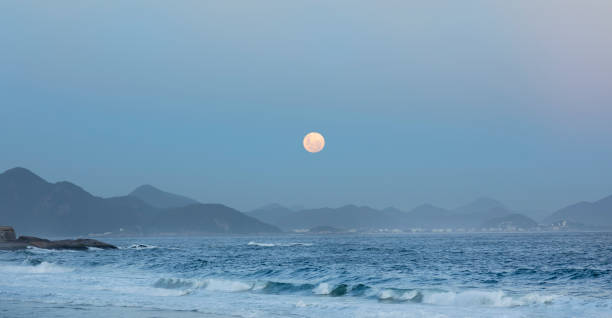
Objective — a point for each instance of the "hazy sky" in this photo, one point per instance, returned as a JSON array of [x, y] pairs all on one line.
[[430, 101]]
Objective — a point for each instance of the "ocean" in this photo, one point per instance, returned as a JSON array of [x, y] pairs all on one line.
[[421, 275]]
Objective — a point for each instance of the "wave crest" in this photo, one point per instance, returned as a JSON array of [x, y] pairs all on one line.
[[207, 284], [36, 268], [252, 243], [466, 298], [485, 298]]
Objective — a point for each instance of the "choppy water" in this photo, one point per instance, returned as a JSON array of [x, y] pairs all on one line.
[[471, 275]]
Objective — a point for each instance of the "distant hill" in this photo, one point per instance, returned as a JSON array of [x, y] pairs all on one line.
[[160, 199], [270, 213], [481, 205], [34, 206], [473, 214], [425, 216], [469, 216], [208, 218], [429, 216], [512, 221], [595, 214], [348, 217]]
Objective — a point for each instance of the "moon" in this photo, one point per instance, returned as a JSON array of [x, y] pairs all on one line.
[[314, 142]]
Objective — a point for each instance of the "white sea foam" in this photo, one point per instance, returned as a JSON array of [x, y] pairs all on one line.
[[322, 289], [484, 298], [278, 244], [37, 250], [141, 246], [392, 295], [226, 285], [147, 291], [410, 295], [261, 244], [174, 283], [221, 285], [42, 268], [386, 295], [535, 298]]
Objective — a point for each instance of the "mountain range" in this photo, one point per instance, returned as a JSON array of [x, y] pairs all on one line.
[[596, 214], [425, 216], [160, 199], [482, 213], [34, 206]]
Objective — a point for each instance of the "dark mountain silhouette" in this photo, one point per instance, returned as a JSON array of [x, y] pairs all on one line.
[[208, 218], [34, 206], [595, 214], [270, 213], [516, 221], [160, 199]]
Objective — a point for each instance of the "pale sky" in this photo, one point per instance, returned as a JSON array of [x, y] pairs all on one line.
[[437, 102]]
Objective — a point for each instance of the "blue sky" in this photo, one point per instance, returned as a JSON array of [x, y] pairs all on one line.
[[438, 102]]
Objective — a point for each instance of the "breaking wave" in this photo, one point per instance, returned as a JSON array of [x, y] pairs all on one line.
[[37, 250], [496, 298], [221, 285], [141, 247], [36, 268], [466, 298], [278, 244]]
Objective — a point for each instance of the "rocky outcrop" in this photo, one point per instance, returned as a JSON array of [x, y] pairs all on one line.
[[8, 242], [7, 234], [78, 244]]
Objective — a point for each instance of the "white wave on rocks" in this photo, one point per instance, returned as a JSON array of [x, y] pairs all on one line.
[[37, 250], [141, 247], [278, 244]]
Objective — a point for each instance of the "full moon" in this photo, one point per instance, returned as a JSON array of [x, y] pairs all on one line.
[[314, 142]]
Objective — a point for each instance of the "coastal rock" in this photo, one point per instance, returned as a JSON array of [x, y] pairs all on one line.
[[8, 242], [7, 234], [78, 244]]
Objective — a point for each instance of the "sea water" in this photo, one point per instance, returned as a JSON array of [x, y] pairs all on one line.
[[425, 275]]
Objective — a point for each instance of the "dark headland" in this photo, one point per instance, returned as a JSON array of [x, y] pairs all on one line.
[[63, 209], [8, 241]]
